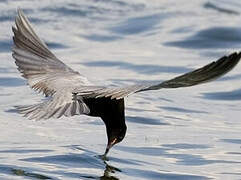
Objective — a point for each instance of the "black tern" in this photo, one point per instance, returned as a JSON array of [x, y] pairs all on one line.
[[69, 93]]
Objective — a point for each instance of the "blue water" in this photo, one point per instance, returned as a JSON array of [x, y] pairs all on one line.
[[179, 134]]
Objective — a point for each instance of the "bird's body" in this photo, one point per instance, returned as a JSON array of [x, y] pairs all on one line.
[[71, 93]]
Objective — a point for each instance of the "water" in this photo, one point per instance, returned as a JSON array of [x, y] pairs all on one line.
[[190, 133]]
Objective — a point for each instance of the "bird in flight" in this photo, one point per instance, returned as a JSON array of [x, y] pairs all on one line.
[[70, 93]]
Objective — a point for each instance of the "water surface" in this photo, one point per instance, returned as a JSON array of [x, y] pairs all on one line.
[[183, 134]]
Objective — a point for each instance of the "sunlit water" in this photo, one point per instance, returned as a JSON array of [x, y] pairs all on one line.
[[183, 134]]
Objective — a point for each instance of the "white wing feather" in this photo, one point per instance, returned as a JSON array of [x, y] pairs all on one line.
[[45, 73]]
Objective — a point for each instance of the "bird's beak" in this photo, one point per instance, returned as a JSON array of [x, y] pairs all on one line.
[[109, 145]]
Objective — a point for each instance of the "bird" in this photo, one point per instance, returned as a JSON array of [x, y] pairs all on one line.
[[69, 93]]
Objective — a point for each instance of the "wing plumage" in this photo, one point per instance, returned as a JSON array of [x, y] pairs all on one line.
[[198, 76], [44, 71], [60, 104], [67, 89]]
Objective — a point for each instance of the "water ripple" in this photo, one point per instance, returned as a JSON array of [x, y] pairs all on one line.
[[234, 95], [11, 82], [20, 171], [69, 11], [143, 120], [214, 37], [25, 151], [72, 160], [140, 68], [138, 25], [102, 38], [182, 159], [233, 141], [182, 110], [186, 146], [163, 176], [209, 5], [5, 45], [36, 150]]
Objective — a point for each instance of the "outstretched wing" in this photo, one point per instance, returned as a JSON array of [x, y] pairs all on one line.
[[198, 76], [43, 70]]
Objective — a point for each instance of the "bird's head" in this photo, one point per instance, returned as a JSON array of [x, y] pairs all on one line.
[[115, 136]]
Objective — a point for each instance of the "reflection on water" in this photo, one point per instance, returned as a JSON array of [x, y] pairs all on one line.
[[175, 134], [109, 170], [18, 171]]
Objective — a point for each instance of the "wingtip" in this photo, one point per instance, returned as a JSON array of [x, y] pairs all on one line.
[[239, 54], [19, 11], [233, 60], [20, 16], [236, 55]]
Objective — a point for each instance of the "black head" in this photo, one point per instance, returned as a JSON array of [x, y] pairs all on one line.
[[112, 112], [115, 136]]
